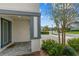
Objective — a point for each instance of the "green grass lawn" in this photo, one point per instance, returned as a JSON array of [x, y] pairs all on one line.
[[73, 32]]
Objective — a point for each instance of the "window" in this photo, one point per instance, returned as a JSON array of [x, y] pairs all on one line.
[[5, 32]]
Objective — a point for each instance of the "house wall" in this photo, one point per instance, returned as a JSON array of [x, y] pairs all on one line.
[[27, 7], [18, 30], [22, 35], [35, 45], [21, 30], [35, 41]]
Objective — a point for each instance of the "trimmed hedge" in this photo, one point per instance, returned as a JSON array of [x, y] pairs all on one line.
[[44, 32]]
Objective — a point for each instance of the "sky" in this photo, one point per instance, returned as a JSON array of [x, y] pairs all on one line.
[[46, 14]]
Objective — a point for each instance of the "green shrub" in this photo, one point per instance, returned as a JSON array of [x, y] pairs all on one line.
[[56, 50], [53, 48], [74, 43], [44, 32], [47, 44], [68, 51]]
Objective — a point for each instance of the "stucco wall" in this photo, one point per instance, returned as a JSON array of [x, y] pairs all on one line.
[[28, 7], [35, 45], [21, 30]]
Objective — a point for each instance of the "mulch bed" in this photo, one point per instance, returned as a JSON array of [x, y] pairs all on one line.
[[40, 53], [43, 53]]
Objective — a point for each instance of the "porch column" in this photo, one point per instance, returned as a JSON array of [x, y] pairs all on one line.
[[35, 33], [0, 32]]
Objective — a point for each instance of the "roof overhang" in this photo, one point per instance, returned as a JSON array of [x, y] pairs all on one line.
[[25, 7], [21, 13]]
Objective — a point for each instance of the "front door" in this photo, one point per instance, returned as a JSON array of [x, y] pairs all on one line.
[[5, 32]]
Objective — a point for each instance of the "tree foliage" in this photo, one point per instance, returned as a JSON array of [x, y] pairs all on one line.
[[64, 14], [45, 29]]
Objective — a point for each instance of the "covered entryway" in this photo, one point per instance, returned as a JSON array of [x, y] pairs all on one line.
[[20, 32], [22, 26], [15, 35]]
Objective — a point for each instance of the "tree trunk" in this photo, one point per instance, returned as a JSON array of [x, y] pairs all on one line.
[[59, 35], [63, 35], [58, 30], [64, 38]]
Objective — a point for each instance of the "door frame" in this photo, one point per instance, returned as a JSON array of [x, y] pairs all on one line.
[[9, 29]]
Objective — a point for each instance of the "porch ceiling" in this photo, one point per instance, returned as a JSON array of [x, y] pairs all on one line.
[[14, 16]]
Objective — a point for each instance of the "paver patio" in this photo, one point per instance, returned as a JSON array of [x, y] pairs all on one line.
[[17, 49]]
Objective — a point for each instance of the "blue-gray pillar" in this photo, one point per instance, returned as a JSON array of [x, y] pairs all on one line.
[[0, 32], [32, 31]]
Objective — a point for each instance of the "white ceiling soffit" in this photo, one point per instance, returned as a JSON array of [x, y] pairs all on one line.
[[26, 7]]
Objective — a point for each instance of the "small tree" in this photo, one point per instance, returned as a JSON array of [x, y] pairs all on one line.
[[45, 29], [64, 14]]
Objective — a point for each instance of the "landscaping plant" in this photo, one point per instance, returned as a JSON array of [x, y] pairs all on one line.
[[74, 43], [56, 50], [68, 51], [52, 48], [47, 44]]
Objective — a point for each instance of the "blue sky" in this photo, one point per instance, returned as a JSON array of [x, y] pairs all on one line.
[[46, 14]]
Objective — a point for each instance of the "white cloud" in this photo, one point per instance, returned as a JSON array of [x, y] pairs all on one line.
[[42, 16]]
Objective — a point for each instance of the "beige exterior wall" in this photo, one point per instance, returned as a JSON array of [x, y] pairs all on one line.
[[20, 28], [27, 7], [35, 45]]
